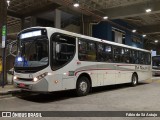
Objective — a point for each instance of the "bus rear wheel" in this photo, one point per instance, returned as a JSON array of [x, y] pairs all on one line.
[[134, 81], [83, 86]]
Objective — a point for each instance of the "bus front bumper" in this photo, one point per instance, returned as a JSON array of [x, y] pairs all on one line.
[[39, 86]]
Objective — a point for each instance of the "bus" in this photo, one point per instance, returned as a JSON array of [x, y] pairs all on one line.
[[156, 65], [50, 59]]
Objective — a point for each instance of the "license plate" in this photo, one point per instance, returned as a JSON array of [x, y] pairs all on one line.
[[21, 85]]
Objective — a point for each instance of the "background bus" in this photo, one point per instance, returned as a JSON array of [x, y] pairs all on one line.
[[51, 59], [156, 65]]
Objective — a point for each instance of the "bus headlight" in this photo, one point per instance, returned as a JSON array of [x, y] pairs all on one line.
[[35, 79]]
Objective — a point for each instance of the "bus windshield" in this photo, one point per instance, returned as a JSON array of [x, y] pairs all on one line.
[[32, 53]]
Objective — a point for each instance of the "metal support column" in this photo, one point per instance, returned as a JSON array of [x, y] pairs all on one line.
[[57, 20], [22, 23], [33, 21], [3, 34]]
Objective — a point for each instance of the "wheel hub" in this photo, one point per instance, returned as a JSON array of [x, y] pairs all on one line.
[[83, 86], [134, 80]]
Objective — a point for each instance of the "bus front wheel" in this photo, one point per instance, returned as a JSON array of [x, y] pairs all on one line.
[[134, 81], [83, 86]]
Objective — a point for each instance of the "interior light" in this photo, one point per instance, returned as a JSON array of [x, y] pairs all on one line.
[[76, 4], [148, 10], [144, 35], [105, 17], [8, 2], [134, 31], [156, 41]]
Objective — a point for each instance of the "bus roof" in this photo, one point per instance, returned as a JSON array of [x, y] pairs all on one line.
[[86, 37]]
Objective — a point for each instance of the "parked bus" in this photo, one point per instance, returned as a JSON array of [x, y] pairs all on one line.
[[50, 59], [156, 65]]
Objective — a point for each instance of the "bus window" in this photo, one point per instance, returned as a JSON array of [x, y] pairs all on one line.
[[135, 59], [141, 57], [104, 52], [100, 52], [117, 54], [147, 58], [156, 62], [82, 45], [63, 50], [108, 53], [127, 56], [87, 50]]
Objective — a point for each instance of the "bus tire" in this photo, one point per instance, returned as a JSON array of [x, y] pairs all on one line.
[[83, 86], [134, 80]]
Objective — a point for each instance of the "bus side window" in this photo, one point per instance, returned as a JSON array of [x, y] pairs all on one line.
[[141, 58], [135, 59], [91, 51], [123, 57], [100, 52], [117, 54], [63, 50], [87, 50], [148, 59], [108, 53], [82, 48], [127, 55]]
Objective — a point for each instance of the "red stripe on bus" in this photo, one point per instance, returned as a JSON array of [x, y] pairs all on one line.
[[99, 69], [90, 70]]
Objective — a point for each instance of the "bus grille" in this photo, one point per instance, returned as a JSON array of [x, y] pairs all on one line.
[[25, 79]]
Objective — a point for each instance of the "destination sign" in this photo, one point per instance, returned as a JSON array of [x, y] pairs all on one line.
[[31, 34]]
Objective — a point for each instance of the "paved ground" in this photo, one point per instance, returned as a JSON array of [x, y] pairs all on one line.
[[144, 97], [7, 89]]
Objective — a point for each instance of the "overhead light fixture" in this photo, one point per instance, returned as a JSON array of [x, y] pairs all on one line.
[[76, 4], [105, 17], [144, 35], [156, 41], [134, 31], [8, 2], [148, 10]]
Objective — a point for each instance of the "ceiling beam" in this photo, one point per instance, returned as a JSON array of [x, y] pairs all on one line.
[[13, 14], [131, 10], [150, 29], [47, 8]]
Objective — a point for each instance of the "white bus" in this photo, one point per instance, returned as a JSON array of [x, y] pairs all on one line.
[[51, 59]]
